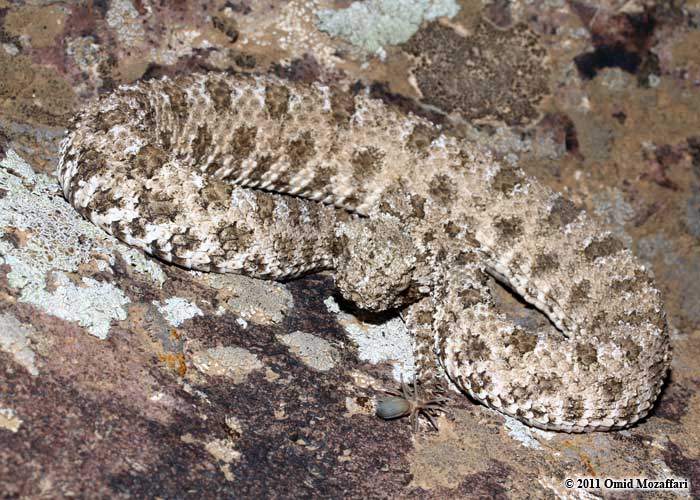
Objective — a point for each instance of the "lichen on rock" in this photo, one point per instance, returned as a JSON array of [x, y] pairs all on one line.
[[375, 24]]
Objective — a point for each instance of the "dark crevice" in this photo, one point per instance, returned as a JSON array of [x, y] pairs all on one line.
[[606, 56], [505, 286], [622, 41]]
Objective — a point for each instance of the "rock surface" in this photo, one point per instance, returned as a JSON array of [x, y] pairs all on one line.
[[122, 377]]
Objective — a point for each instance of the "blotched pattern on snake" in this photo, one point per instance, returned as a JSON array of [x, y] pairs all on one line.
[[272, 179]]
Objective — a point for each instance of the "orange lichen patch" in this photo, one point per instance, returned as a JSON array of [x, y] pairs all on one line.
[[176, 362], [586, 460], [158, 340]]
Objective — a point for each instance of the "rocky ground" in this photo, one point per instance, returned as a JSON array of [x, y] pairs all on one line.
[[122, 377]]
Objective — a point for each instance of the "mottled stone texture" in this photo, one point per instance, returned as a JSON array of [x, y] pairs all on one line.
[[148, 412], [488, 74]]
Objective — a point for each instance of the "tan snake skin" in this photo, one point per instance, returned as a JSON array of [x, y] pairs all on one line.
[[259, 176]]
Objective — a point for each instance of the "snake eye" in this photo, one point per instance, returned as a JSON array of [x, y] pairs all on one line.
[[392, 407]]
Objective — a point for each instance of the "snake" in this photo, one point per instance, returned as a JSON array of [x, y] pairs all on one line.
[[257, 175]]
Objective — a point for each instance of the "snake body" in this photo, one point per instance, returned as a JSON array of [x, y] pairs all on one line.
[[260, 176]]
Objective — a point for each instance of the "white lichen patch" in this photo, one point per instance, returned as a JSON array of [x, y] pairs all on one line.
[[376, 23], [178, 310], [223, 449], [389, 341], [47, 249], [331, 305], [143, 265], [179, 43], [260, 301], [365, 381], [527, 436], [15, 339], [358, 406], [311, 350], [93, 305], [123, 17], [234, 363], [234, 425], [9, 420]]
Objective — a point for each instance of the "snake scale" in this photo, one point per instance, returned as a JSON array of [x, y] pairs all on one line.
[[273, 179]]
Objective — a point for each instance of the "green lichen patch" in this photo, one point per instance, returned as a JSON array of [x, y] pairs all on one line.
[[375, 24], [9, 420], [16, 340], [311, 350], [376, 343], [234, 363], [259, 301], [177, 310], [45, 243]]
